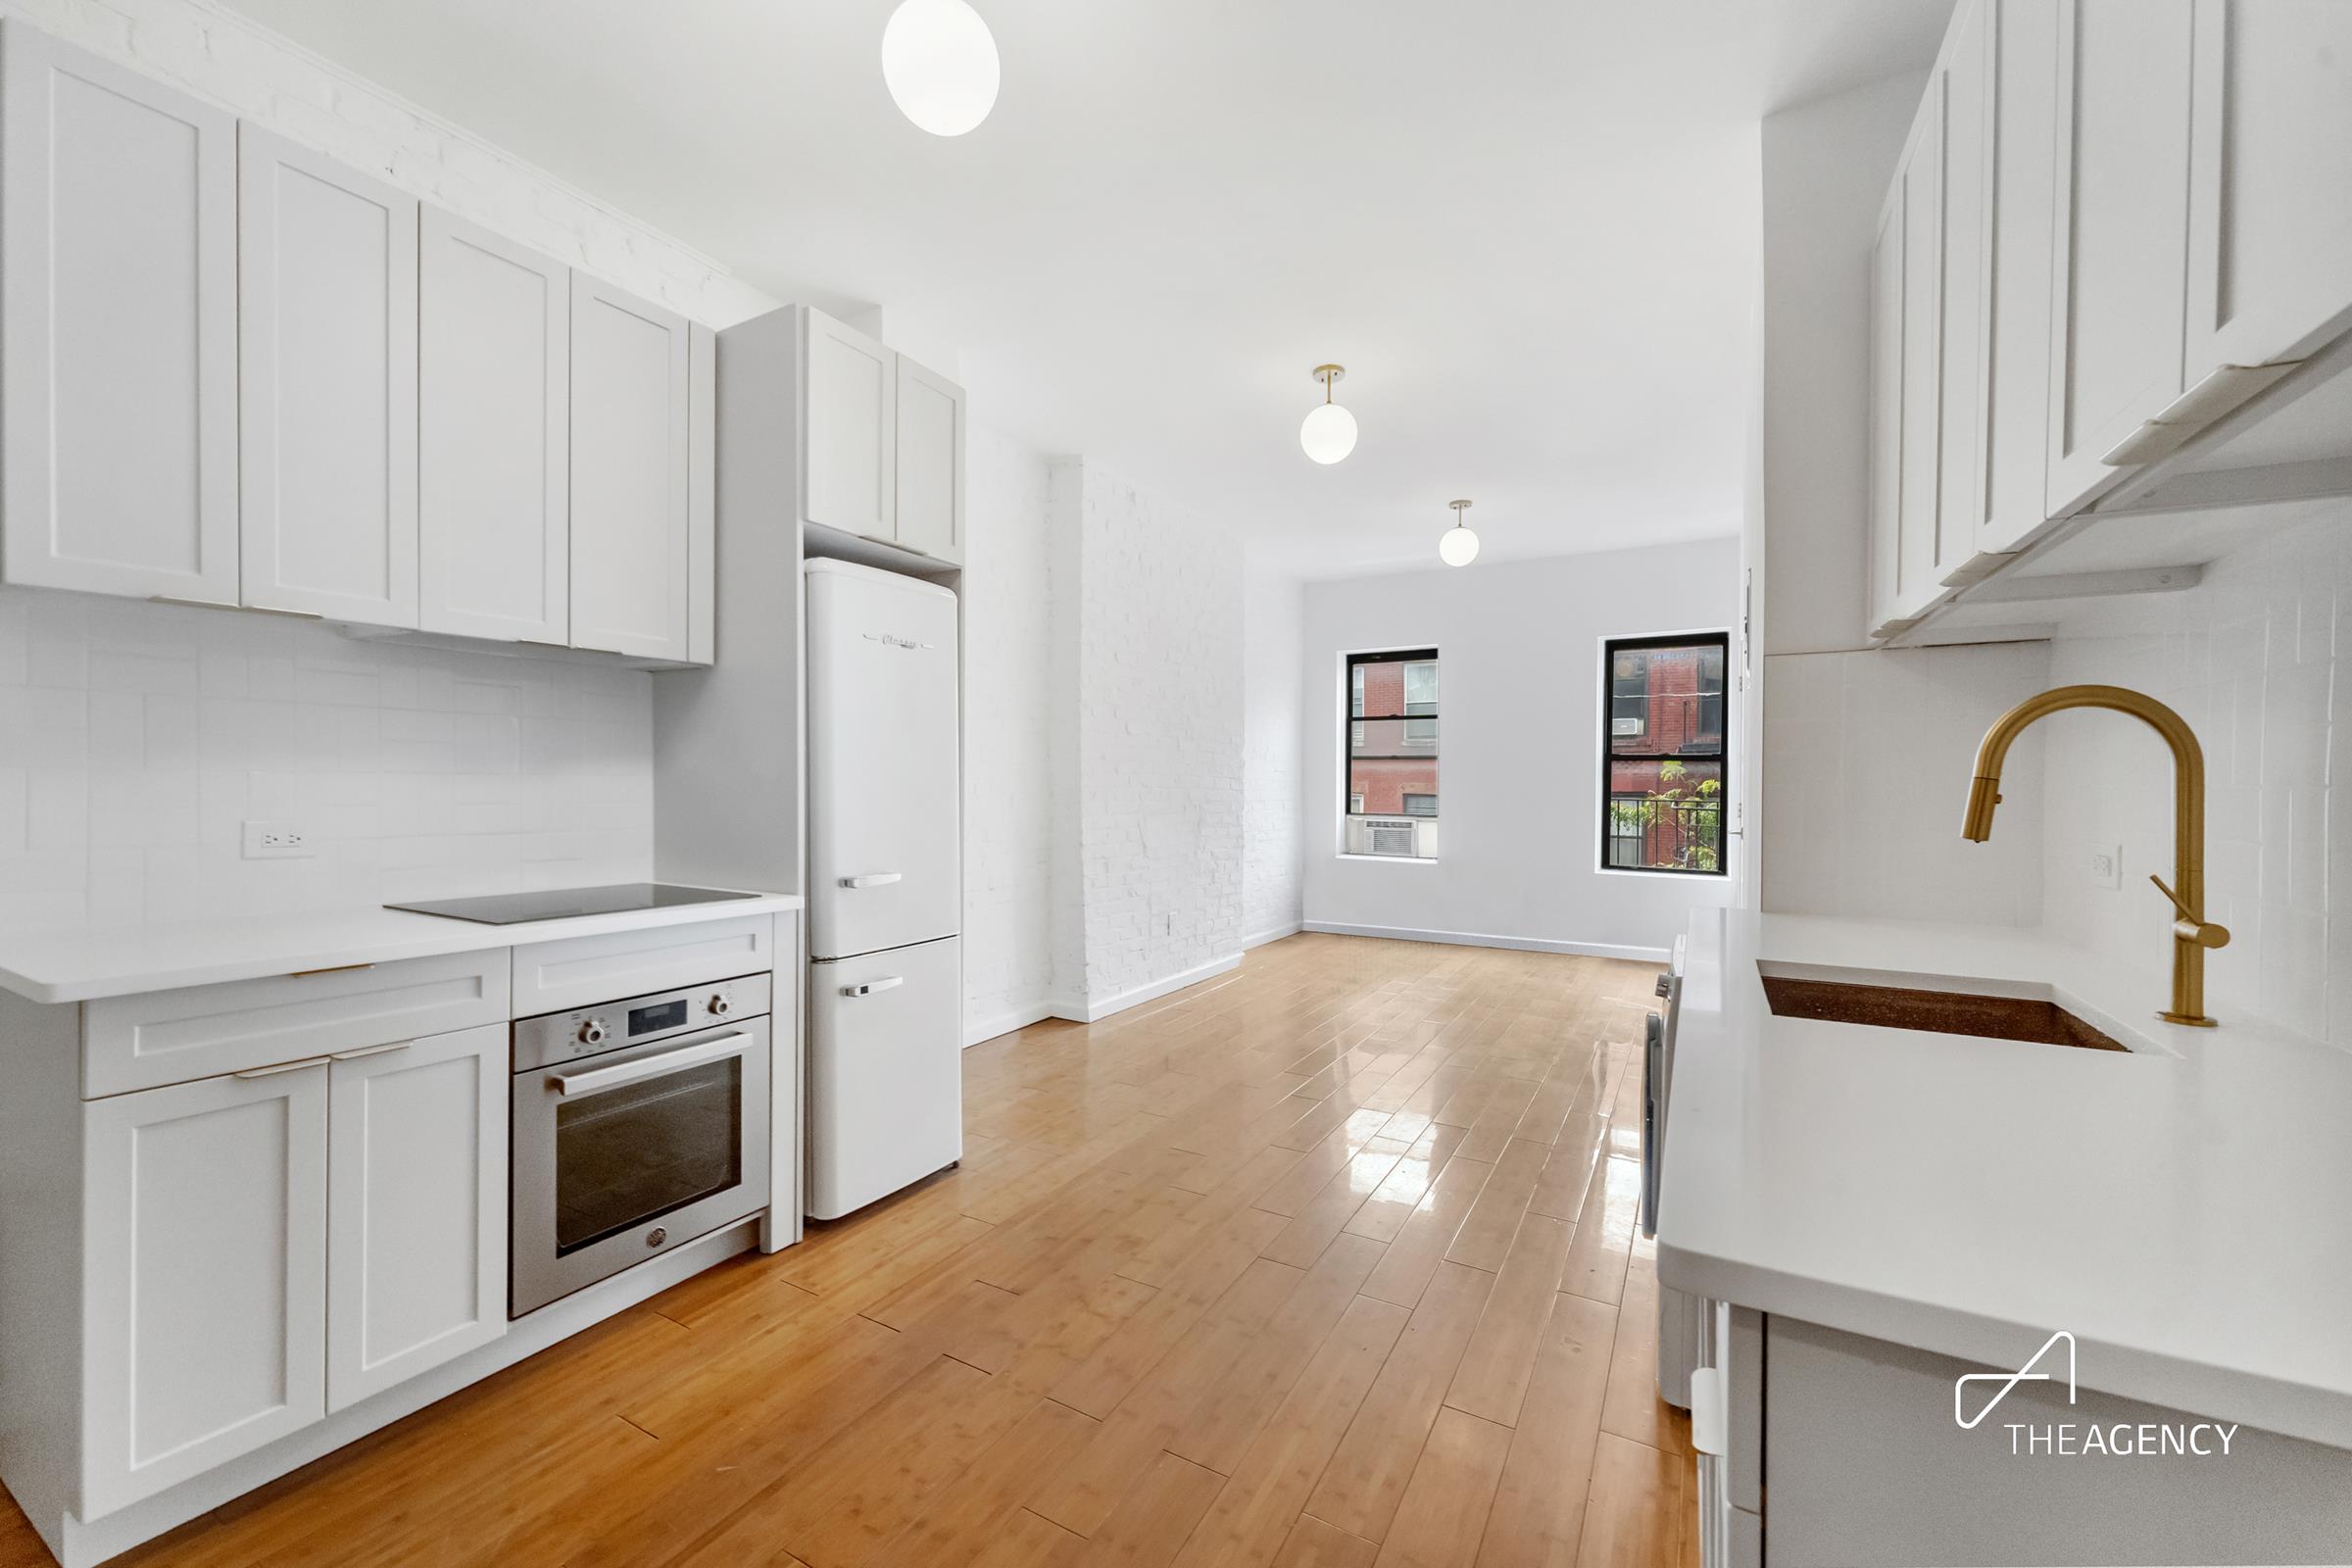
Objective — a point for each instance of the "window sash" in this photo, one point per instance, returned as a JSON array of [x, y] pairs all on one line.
[[1627, 820]]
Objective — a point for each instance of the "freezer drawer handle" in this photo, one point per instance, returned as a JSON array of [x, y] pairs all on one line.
[[599, 1079], [869, 987], [874, 879]]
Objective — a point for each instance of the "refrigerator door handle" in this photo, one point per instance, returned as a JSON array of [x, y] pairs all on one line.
[[874, 879], [868, 987]]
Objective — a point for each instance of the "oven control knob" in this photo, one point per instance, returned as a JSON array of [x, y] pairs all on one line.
[[592, 1032], [720, 1005]]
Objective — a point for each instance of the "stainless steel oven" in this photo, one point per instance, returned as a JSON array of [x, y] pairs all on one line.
[[639, 1125]]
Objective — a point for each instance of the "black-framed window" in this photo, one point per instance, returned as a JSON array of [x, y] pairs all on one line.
[[1389, 735], [1665, 780]]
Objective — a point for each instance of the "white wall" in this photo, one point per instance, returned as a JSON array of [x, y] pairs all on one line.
[[1273, 610], [1867, 754], [1826, 168], [1867, 772], [1518, 750], [136, 738], [1158, 741], [1007, 780], [2259, 660]]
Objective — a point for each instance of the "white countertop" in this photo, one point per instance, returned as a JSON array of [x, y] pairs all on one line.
[[2188, 1217], [77, 964]]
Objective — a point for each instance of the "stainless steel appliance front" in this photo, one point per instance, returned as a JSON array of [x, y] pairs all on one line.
[[638, 1125]]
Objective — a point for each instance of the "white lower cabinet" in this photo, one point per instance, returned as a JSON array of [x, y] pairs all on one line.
[[267, 1246], [416, 1212], [204, 1289]]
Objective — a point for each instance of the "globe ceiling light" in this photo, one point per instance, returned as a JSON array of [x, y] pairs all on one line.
[[940, 64], [1457, 545], [1329, 433]]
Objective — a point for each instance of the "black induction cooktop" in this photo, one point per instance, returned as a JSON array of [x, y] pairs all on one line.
[[558, 903]]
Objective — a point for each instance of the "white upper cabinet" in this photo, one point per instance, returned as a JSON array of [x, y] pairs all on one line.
[[327, 386], [630, 491], [2269, 209], [416, 1212], [205, 1236], [851, 479], [930, 463], [2117, 277], [2012, 462], [494, 469], [119, 308]]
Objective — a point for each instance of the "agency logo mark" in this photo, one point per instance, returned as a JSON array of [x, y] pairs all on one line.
[[2010, 1380]]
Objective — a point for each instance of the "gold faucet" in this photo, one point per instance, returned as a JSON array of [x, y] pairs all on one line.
[[2192, 933]]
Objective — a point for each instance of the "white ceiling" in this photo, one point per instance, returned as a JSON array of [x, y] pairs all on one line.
[[1528, 227]]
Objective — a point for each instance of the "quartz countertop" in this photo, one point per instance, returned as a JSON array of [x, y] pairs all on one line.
[[2186, 1212], [79, 963]]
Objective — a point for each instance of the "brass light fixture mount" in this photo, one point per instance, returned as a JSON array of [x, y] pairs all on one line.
[[1330, 375]]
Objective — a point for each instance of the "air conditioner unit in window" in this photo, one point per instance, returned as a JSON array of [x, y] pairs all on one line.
[[1626, 726], [1389, 838], [1405, 837]]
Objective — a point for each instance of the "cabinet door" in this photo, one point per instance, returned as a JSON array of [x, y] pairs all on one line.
[[852, 472], [630, 502], [930, 463], [417, 1211], [118, 306], [702, 486], [1886, 414], [1961, 93], [2269, 217], [205, 1277], [494, 422], [326, 385], [2014, 457], [1919, 198], [2122, 202]]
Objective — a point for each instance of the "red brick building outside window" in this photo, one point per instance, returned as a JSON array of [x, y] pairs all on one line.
[[1662, 745]]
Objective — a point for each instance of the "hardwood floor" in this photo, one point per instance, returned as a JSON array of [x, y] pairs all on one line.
[[1328, 1263]]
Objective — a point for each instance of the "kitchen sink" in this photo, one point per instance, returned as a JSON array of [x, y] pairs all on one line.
[[2038, 1019]]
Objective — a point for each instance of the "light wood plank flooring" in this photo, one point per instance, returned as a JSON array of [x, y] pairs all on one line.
[[1328, 1262]]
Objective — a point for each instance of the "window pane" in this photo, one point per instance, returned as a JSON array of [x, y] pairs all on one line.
[[1665, 816], [1382, 687], [1392, 744], [1421, 687], [1667, 701]]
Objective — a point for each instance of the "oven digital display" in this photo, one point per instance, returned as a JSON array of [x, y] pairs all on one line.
[[668, 1016]]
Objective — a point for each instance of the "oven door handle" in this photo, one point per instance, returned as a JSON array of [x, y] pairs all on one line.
[[596, 1080]]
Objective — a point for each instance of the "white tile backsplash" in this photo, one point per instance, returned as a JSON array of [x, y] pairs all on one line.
[[1867, 763], [2259, 660], [136, 738]]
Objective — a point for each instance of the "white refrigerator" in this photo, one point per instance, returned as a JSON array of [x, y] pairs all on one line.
[[885, 886]]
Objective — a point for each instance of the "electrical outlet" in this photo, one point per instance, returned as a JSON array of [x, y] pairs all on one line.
[[276, 841], [2104, 866]]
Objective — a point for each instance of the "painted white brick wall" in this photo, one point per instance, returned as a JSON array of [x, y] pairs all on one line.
[[135, 739], [1273, 624], [2259, 660], [1159, 715], [1008, 798], [212, 52]]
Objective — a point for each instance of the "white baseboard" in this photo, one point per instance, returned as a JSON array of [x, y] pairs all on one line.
[[1480, 939], [1275, 935], [1004, 1023], [1092, 1011]]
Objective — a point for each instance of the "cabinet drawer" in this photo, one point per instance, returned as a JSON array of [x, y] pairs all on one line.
[[169, 1037], [551, 976]]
